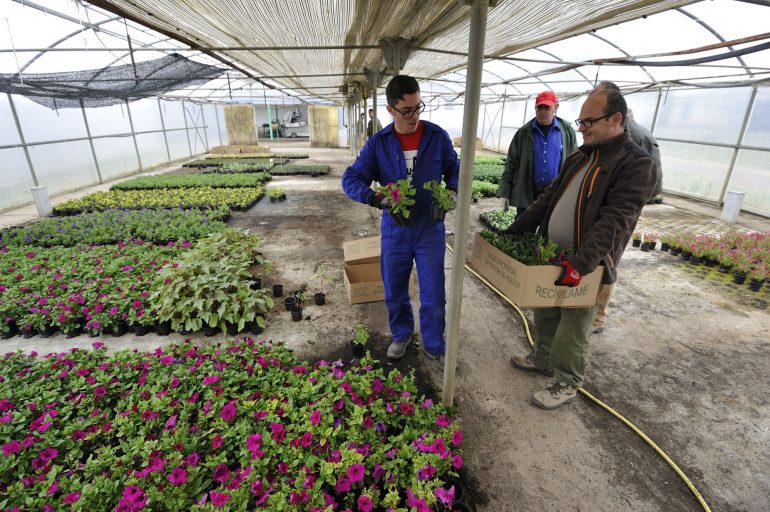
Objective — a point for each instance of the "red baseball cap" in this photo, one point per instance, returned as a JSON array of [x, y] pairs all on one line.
[[546, 98]]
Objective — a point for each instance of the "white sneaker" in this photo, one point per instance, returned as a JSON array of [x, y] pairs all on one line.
[[397, 349]]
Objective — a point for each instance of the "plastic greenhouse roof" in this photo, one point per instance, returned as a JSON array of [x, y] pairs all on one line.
[[305, 50]]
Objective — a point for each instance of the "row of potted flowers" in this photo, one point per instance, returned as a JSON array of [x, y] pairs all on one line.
[[199, 197], [237, 426], [235, 180], [112, 226], [747, 255], [106, 288]]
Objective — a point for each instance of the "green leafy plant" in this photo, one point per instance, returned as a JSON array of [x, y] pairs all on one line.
[[276, 193], [361, 335], [400, 197], [323, 276], [441, 194], [488, 172], [529, 249], [498, 219], [190, 181], [483, 189], [306, 169]]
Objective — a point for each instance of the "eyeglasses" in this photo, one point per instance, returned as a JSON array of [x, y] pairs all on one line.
[[590, 122], [410, 112]]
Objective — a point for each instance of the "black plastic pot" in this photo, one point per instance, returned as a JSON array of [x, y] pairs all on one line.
[[141, 330], [725, 269], [401, 220], [12, 331], [664, 247], [290, 302], [319, 298], [636, 242], [685, 256], [675, 251], [437, 213], [232, 329], [28, 333], [277, 290], [120, 329], [739, 278], [645, 247], [74, 332], [49, 331], [256, 283], [652, 245], [754, 285], [459, 492], [164, 328], [209, 330], [358, 350], [255, 328], [273, 199], [695, 260], [296, 314]]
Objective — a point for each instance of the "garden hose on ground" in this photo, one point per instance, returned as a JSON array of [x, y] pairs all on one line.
[[601, 404]]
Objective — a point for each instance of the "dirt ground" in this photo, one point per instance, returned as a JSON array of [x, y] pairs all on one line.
[[685, 356]]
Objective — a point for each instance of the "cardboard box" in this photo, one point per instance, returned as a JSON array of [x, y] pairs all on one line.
[[531, 286], [363, 281]]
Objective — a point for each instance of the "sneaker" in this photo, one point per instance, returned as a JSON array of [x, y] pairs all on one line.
[[597, 330], [437, 360], [397, 349], [526, 364], [554, 395]]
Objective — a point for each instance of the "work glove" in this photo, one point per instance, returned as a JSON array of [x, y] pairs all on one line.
[[505, 205], [569, 276], [378, 200], [453, 194]]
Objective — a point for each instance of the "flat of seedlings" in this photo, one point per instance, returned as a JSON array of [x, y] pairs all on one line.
[[685, 356]]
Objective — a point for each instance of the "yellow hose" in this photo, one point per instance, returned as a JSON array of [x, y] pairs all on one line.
[[604, 406]]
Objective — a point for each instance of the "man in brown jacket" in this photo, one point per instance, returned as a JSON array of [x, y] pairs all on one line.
[[592, 206]]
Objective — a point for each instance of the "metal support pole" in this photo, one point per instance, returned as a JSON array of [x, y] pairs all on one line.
[[741, 135], [133, 135], [23, 142], [502, 118], [205, 135], [91, 143], [375, 74], [163, 125], [470, 124], [186, 129], [219, 127], [655, 114]]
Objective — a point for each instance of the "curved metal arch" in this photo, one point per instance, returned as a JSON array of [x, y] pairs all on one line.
[[716, 34], [621, 50], [528, 72], [576, 70]]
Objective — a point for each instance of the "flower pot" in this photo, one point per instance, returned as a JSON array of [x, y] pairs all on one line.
[[28, 333], [296, 314], [255, 328], [141, 330], [277, 290], [209, 330], [401, 220], [164, 328], [652, 245], [232, 329], [709, 262], [282, 197], [695, 260], [636, 242], [739, 277], [256, 283], [645, 247], [120, 329], [94, 333], [358, 350], [290, 302], [12, 331], [453, 481], [437, 213], [664, 247], [319, 298], [725, 269], [47, 331], [273, 199], [755, 285], [685, 256], [74, 332], [674, 251]]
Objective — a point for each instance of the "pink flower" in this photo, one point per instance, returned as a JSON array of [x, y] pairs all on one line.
[[315, 417], [71, 498], [210, 379], [253, 442], [170, 423], [342, 485], [457, 461], [219, 498], [356, 472], [98, 344], [178, 476], [167, 360], [100, 391], [217, 441], [12, 447], [457, 437], [278, 431], [113, 311], [221, 473], [228, 411], [445, 496], [53, 488], [365, 503], [48, 454]]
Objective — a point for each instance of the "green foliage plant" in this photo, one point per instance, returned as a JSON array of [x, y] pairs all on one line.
[[299, 169], [361, 335], [529, 249], [441, 194], [488, 172], [483, 188], [190, 181], [276, 193], [498, 219], [323, 276]]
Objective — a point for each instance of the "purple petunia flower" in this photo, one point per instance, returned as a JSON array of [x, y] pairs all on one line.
[[178, 476], [228, 411], [356, 472], [365, 503], [219, 498]]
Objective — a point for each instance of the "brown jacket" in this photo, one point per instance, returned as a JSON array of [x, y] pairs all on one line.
[[619, 181]]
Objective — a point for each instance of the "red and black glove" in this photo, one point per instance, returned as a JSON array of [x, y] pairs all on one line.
[[569, 276]]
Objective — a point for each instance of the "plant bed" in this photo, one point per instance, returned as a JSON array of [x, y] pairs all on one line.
[[224, 434], [299, 169], [190, 181], [498, 219]]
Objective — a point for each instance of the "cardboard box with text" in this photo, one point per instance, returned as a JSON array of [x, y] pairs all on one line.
[[531, 286], [363, 281]]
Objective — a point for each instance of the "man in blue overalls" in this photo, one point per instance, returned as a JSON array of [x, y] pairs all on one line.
[[419, 151]]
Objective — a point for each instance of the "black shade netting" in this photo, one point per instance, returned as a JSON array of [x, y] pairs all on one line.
[[111, 85]]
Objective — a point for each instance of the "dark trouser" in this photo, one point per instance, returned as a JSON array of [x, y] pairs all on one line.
[[562, 342], [536, 191]]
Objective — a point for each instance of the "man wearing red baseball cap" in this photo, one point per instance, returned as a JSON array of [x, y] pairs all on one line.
[[536, 153]]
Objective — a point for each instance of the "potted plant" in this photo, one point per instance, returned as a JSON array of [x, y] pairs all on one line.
[[276, 194], [636, 239], [323, 276], [400, 201], [741, 268], [360, 339], [757, 276], [442, 199]]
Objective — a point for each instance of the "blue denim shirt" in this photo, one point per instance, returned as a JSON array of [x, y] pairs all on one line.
[[547, 158]]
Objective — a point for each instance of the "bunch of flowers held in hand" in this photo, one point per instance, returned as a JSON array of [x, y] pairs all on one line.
[[400, 197]]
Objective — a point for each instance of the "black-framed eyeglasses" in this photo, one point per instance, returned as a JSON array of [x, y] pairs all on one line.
[[410, 112], [589, 122]]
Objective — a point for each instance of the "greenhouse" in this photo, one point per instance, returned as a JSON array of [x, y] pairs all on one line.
[[222, 229]]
